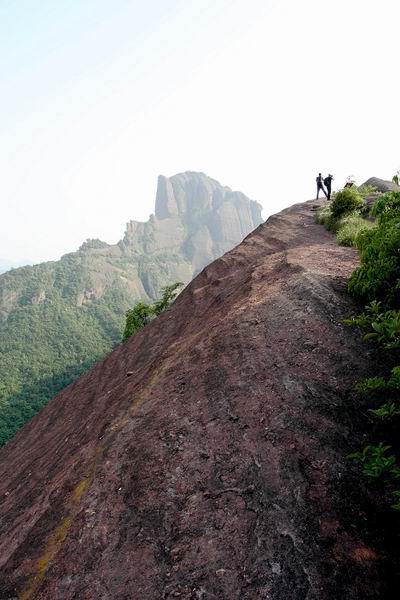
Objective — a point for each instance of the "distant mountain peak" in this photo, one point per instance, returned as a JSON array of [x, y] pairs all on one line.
[[195, 217], [191, 191]]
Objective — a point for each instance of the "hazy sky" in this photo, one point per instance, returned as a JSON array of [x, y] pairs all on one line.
[[98, 97]]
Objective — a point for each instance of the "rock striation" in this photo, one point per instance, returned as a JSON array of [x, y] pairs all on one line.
[[206, 457]]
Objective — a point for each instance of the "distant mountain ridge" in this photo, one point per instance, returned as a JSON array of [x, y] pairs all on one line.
[[6, 264], [58, 318]]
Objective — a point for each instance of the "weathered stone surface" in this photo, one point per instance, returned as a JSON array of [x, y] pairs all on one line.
[[206, 457], [382, 185]]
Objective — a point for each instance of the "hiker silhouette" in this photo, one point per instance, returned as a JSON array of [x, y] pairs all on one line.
[[320, 185], [328, 185]]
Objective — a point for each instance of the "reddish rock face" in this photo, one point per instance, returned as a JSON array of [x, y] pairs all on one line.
[[205, 458]]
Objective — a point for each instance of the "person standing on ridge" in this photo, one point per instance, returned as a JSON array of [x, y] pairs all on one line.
[[320, 185], [328, 185]]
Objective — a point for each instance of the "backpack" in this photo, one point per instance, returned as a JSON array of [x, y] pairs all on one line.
[[327, 181]]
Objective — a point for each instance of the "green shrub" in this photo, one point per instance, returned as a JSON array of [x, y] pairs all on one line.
[[377, 280], [378, 276], [385, 412], [388, 206], [375, 463], [349, 229], [332, 224], [141, 314], [168, 295], [383, 327], [386, 331], [346, 201], [366, 190], [396, 506], [379, 386], [342, 217], [371, 313], [322, 215], [372, 386], [394, 380], [136, 318]]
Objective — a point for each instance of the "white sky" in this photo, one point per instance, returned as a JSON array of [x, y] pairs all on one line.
[[98, 97]]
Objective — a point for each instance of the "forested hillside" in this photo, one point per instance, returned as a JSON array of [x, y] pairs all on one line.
[[48, 339]]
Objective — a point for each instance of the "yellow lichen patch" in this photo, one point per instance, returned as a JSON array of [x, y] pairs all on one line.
[[137, 401], [55, 540], [58, 536], [80, 489], [54, 543]]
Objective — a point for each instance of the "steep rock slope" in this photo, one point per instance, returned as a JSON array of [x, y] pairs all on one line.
[[204, 458], [58, 318]]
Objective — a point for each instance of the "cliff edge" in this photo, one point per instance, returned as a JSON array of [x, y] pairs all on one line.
[[205, 457]]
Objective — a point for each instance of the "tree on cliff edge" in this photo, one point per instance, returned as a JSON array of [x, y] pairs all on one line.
[[141, 314]]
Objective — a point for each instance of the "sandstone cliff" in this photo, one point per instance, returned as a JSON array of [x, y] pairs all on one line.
[[205, 458], [195, 217]]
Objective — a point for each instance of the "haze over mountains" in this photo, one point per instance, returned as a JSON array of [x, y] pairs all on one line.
[[58, 318]]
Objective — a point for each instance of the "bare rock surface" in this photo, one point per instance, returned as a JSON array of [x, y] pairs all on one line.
[[205, 458], [382, 185]]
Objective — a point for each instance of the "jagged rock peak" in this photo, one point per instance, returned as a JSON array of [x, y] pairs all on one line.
[[192, 191], [196, 217]]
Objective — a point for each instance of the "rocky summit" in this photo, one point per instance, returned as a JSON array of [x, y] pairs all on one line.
[[382, 185], [58, 318], [205, 458], [196, 219]]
